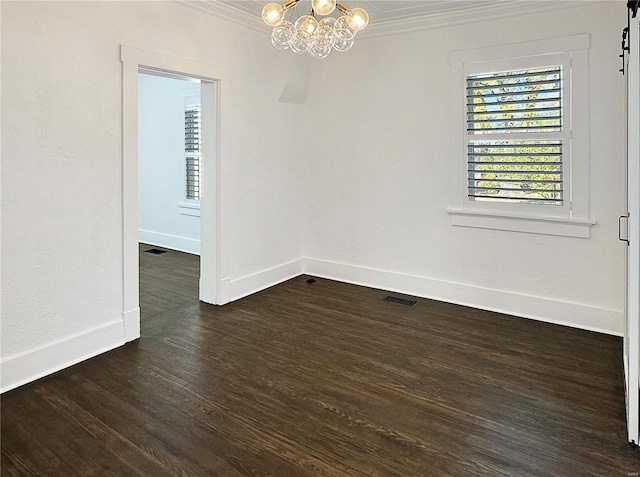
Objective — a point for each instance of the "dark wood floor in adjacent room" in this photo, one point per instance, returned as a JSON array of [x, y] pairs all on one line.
[[324, 379]]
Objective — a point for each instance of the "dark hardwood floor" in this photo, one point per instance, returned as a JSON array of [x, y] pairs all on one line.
[[167, 281], [325, 379]]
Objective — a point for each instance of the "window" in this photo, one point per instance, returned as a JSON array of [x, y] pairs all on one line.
[[526, 103], [520, 154], [192, 139]]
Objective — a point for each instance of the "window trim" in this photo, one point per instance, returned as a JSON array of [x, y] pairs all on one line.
[[573, 220], [189, 207]]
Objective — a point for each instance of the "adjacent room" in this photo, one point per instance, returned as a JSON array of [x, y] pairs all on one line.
[[391, 238], [169, 162]]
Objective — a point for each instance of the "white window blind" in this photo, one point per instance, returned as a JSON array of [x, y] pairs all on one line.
[[192, 140], [514, 136]]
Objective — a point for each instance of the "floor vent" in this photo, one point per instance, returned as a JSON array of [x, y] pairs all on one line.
[[155, 251], [400, 301]]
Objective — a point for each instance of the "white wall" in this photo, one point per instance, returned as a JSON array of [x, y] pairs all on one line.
[[363, 201], [161, 160], [61, 141], [377, 188]]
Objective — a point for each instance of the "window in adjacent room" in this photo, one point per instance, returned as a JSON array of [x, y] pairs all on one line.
[[192, 141]]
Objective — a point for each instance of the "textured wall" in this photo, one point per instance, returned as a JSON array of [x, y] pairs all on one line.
[[378, 190], [61, 156], [365, 161]]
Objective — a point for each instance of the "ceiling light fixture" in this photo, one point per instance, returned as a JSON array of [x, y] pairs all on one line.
[[310, 35]]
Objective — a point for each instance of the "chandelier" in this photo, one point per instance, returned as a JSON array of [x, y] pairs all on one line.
[[310, 35]]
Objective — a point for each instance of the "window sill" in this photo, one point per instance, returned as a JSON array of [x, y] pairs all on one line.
[[566, 227], [189, 209]]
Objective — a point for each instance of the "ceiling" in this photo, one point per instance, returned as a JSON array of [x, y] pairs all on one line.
[[394, 16]]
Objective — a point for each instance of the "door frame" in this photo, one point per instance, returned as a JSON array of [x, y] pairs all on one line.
[[631, 355], [214, 254]]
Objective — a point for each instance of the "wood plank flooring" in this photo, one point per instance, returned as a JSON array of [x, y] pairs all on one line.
[[326, 379], [167, 281]]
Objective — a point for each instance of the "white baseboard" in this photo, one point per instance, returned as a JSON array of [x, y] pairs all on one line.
[[244, 286], [131, 321], [225, 291], [174, 242], [210, 296], [576, 315], [36, 363]]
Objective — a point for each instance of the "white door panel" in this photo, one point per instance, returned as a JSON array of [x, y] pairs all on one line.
[[632, 315]]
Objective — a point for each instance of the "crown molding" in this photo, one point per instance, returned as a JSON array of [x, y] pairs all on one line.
[[407, 24], [478, 14], [227, 11]]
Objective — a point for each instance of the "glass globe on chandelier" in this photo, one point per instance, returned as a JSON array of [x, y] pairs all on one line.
[[310, 35]]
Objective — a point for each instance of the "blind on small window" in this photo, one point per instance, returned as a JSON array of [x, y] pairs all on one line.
[[528, 169], [192, 151]]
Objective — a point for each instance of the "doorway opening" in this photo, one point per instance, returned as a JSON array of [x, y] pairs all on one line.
[[169, 190], [213, 286]]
